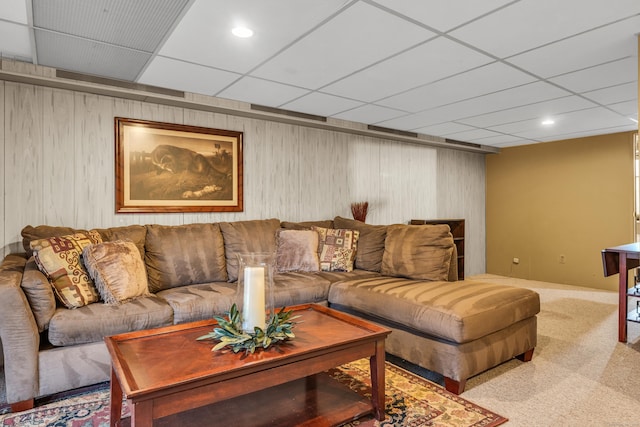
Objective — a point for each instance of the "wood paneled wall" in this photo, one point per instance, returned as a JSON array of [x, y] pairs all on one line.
[[58, 169]]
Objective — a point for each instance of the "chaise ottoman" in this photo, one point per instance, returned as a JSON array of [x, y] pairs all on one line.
[[457, 329]]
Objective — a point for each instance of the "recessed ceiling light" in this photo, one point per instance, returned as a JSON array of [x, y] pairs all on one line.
[[548, 122], [243, 32]]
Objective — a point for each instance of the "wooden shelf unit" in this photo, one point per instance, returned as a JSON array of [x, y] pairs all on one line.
[[457, 230]]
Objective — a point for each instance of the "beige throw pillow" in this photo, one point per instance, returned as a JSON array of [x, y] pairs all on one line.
[[297, 250], [117, 271], [420, 252]]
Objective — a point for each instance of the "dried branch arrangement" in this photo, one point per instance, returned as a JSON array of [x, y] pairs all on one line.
[[359, 210]]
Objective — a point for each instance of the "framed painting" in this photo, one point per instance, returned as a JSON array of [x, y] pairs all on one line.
[[165, 167]]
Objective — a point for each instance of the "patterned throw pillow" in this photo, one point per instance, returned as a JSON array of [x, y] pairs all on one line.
[[337, 248], [59, 259]]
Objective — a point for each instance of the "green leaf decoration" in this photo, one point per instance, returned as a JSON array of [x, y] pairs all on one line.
[[229, 332]]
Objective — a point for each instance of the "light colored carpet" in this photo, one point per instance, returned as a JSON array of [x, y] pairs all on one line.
[[579, 376]]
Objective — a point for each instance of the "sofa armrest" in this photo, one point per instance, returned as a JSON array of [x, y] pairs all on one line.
[[18, 332]]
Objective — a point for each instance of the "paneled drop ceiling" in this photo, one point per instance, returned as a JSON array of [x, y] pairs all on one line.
[[486, 72]]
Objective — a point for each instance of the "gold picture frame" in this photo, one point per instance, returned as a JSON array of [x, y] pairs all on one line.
[[166, 167]]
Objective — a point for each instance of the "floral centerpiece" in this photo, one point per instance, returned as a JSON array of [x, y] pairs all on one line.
[[230, 334]]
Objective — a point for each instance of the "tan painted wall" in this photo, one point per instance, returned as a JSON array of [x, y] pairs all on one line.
[[567, 198]]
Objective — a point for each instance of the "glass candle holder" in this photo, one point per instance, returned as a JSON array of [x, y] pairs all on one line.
[[254, 297]]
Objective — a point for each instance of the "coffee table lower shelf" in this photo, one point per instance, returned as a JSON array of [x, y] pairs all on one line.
[[317, 400]]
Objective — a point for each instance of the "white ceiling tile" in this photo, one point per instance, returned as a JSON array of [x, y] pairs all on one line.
[[423, 64], [204, 34], [443, 15], [629, 108], [472, 134], [369, 114], [500, 140], [169, 73], [581, 134], [416, 120], [531, 111], [321, 104], [14, 11], [14, 41], [595, 47], [258, 91], [613, 73], [443, 128], [610, 95], [509, 98], [593, 119], [480, 81], [528, 24], [358, 37]]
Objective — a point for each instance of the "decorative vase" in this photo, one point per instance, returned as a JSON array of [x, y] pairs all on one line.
[[254, 297]]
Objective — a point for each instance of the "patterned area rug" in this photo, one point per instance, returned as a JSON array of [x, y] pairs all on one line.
[[410, 401]]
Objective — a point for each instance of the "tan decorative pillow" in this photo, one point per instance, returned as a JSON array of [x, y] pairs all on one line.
[[370, 242], [117, 270], [337, 248], [59, 259], [241, 237], [420, 252], [297, 250]]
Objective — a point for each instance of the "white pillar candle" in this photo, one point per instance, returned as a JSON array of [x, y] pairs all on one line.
[[253, 312]]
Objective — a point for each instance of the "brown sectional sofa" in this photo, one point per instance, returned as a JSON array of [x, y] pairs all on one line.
[[404, 277]]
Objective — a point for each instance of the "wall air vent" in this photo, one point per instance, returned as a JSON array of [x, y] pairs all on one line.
[[392, 131], [290, 113], [117, 83], [466, 144]]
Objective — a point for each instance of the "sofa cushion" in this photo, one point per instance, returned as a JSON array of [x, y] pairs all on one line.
[[199, 302], [370, 242], [297, 250], [455, 311], [93, 322], [39, 293], [306, 225], [337, 248], [421, 252], [247, 236], [30, 233], [117, 271], [339, 276], [133, 233], [184, 255], [298, 288], [59, 259]]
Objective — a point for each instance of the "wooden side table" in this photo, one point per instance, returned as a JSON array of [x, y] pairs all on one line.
[[619, 260]]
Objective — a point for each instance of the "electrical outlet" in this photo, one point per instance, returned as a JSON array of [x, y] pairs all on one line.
[[562, 259]]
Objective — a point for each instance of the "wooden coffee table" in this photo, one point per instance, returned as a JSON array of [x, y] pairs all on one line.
[[166, 373]]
